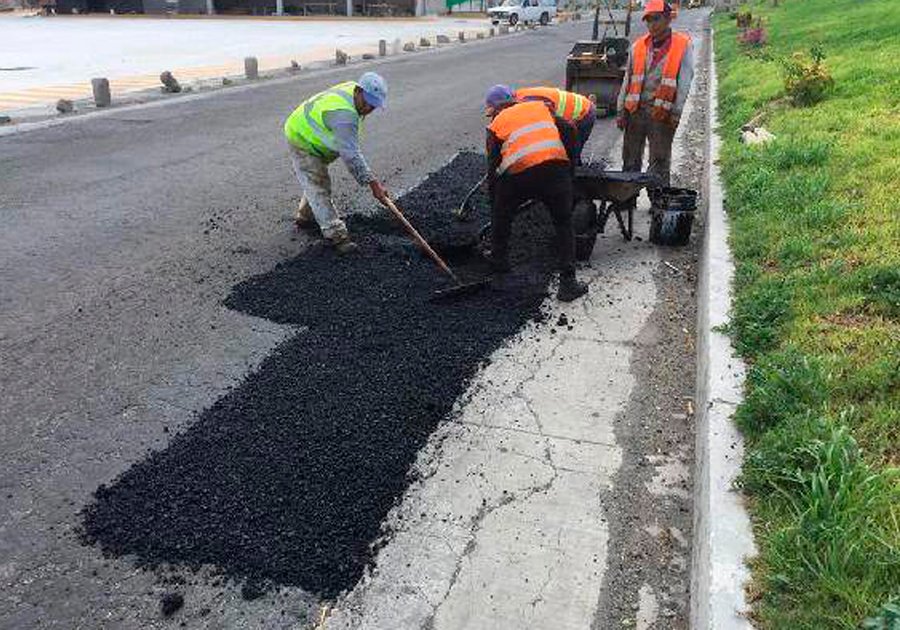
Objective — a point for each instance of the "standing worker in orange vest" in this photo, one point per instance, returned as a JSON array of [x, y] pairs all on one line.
[[528, 157], [572, 107], [656, 86]]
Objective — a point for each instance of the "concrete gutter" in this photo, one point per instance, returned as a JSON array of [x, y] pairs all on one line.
[[723, 539]]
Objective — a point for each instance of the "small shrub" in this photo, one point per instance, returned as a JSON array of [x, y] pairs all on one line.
[[744, 19], [806, 79], [755, 37]]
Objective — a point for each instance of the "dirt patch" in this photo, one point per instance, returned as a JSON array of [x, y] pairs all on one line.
[[287, 479], [650, 505]]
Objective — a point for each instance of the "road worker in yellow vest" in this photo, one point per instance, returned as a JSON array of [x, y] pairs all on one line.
[[572, 107], [324, 127], [655, 89], [529, 157]]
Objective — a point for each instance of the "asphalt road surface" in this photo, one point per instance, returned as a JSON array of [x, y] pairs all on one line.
[[558, 494]]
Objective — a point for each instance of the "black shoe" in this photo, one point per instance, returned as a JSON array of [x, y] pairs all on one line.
[[570, 289]]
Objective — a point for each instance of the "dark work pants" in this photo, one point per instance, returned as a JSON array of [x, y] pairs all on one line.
[[584, 126], [549, 183], [641, 130]]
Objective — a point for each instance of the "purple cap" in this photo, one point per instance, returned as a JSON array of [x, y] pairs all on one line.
[[498, 95]]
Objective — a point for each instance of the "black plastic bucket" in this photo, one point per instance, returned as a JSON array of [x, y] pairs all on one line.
[[673, 216]]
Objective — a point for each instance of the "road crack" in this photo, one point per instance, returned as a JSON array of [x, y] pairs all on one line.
[[506, 498]]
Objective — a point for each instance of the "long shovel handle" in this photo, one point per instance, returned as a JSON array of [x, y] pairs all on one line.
[[421, 242]]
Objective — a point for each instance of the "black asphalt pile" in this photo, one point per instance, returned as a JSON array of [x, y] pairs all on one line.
[[429, 207], [287, 479]]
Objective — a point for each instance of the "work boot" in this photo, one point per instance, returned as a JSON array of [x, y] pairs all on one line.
[[303, 216], [570, 288], [343, 245]]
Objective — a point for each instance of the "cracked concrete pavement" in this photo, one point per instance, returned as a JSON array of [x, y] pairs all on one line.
[[508, 525], [112, 336]]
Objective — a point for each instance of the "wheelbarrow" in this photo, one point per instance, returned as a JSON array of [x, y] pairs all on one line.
[[598, 193]]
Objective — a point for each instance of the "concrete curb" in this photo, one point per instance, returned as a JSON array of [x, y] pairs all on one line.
[[723, 538]]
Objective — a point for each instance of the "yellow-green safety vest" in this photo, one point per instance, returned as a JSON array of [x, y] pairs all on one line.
[[305, 128]]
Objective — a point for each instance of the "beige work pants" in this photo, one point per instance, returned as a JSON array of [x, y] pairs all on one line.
[[316, 203], [641, 130]]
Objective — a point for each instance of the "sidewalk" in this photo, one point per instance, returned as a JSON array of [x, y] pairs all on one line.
[[57, 57]]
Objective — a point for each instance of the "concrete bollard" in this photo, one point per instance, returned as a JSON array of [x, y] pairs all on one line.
[[251, 68], [170, 83], [409, 47], [491, 33], [424, 42], [368, 56], [462, 36], [65, 106], [479, 35], [397, 47], [382, 48], [504, 29], [102, 96], [443, 39], [340, 57]]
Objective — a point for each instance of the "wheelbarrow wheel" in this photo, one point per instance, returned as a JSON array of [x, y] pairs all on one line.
[[584, 223]]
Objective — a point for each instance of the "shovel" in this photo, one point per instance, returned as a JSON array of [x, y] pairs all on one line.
[[461, 288], [462, 213]]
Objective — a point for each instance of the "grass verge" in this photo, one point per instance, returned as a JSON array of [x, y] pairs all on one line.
[[815, 219]]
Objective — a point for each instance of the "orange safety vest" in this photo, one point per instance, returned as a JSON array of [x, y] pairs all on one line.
[[664, 98], [569, 106], [528, 135]]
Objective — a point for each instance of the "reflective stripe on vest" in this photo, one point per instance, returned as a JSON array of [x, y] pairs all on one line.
[[306, 128], [569, 106], [664, 97], [528, 137], [531, 149]]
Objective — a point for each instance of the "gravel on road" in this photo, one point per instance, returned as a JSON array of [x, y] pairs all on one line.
[[287, 479]]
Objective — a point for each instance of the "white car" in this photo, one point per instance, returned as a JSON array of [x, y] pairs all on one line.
[[515, 11]]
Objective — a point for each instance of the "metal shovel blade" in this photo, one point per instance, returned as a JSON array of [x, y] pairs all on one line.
[[459, 290]]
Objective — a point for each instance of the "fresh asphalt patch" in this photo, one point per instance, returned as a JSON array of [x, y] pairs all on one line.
[[287, 479]]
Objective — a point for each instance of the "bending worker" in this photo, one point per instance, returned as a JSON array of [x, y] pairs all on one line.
[[570, 106], [527, 159], [322, 128], [656, 86]]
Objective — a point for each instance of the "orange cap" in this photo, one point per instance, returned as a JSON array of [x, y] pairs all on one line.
[[656, 6]]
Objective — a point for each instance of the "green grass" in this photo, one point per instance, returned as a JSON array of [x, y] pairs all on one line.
[[815, 219]]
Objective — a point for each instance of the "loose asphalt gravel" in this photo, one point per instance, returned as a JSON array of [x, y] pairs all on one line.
[[287, 479], [115, 264]]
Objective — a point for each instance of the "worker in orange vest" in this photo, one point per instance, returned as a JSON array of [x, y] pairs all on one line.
[[653, 94], [572, 107], [529, 157]]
